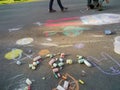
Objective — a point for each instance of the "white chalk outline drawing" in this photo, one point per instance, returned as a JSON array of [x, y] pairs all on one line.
[[113, 70], [38, 23], [16, 76], [16, 82], [19, 27]]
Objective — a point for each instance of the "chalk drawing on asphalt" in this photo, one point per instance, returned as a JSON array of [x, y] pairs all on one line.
[[24, 56], [98, 36], [13, 54], [63, 46], [106, 64], [24, 41], [38, 23], [79, 45], [19, 27], [100, 19], [16, 83], [49, 33], [49, 44], [17, 55], [49, 39], [63, 22], [43, 52], [73, 31]]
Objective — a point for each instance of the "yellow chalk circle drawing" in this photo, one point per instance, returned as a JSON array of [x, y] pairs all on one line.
[[44, 52], [13, 54], [24, 41]]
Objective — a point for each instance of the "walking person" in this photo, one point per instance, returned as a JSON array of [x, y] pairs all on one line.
[[60, 5], [91, 4]]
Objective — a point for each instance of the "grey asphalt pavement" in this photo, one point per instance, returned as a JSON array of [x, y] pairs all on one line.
[[30, 28]]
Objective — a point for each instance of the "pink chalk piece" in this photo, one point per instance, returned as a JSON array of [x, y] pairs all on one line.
[[62, 55], [29, 88], [36, 58], [59, 75], [55, 70], [51, 61]]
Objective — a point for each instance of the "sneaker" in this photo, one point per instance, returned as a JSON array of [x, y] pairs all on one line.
[[64, 9], [100, 8], [51, 11], [91, 6]]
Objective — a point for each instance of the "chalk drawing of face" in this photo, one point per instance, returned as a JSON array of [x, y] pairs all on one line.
[[107, 64]]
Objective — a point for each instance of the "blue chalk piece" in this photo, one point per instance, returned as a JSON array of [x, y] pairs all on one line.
[[108, 32]]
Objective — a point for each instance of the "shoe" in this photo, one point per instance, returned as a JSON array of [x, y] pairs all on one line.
[[100, 8], [90, 6], [64, 9], [51, 11]]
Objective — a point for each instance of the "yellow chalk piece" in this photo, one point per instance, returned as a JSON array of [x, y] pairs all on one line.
[[69, 61], [13, 54], [81, 81]]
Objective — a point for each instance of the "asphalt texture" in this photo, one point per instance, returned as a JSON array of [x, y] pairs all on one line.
[[63, 32]]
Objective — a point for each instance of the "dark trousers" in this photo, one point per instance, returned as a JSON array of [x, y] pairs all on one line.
[[89, 2], [51, 4]]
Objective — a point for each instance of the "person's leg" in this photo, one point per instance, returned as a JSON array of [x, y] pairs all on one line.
[[100, 5], [96, 3], [90, 5], [61, 6], [89, 2], [50, 6], [101, 2]]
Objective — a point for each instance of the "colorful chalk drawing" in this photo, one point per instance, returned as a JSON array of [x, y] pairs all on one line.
[[63, 24], [79, 46], [24, 41], [107, 64], [73, 21], [13, 54], [17, 55], [73, 31], [44, 52], [100, 19], [22, 57], [49, 33]]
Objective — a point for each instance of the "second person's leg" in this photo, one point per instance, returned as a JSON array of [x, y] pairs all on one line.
[[61, 6], [100, 5], [51, 6]]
